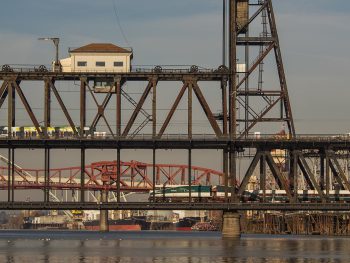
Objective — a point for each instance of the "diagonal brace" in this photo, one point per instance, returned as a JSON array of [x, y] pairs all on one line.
[[207, 110]]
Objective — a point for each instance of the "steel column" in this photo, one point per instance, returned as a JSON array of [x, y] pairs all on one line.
[[328, 182], [47, 176], [263, 176], [47, 106], [154, 108], [82, 174], [11, 120], [82, 105], [322, 175], [232, 67], [13, 175], [224, 106], [190, 175], [154, 173], [9, 162], [118, 174], [118, 107], [189, 110], [226, 171]]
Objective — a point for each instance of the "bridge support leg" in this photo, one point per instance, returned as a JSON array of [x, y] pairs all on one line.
[[231, 225], [104, 213]]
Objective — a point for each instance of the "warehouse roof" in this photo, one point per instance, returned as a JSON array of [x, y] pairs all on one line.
[[101, 48]]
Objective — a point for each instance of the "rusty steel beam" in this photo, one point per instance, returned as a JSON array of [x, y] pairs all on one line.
[[82, 175], [138, 108], [11, 121], [63, 107], [101, 109], [47, 106], [118, 107], [263, 176], [249, 173], [166, 75], [328, 179], [189, 109], [336, 175], [3, 92], [28, 108], [252, 18], [256, 64], [281, 180], [224, 106], [280, 67], [260, 117], [306, 169], [172, 110], [233, 69], [154, 108], [83, 82], [294, 173], [340, 174], [207, 110]]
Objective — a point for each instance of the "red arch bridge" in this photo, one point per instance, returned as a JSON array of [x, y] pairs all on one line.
[[134, 176]]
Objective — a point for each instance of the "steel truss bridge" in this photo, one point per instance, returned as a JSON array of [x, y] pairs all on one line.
[[247, 103], [134, 177]]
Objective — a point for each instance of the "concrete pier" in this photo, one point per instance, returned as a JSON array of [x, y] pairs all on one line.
[[104, 213], [231, 225]]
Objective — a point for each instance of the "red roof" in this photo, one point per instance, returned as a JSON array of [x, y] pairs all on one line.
[[100, 48]]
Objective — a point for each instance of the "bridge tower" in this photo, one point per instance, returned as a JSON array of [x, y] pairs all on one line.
[[253, 42], [255, 104]]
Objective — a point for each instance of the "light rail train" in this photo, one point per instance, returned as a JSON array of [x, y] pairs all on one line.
[[54, 132], [217, 193]]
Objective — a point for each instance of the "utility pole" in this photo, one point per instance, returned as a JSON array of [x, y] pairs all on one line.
[[56, 42]]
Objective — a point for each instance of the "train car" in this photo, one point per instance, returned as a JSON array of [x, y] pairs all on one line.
[[181, 193], [280, 196], [52, 132]]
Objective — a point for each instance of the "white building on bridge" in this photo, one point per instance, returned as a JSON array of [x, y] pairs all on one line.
[[98, 57]]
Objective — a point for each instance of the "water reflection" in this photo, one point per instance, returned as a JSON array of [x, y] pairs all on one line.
[[52, 247]]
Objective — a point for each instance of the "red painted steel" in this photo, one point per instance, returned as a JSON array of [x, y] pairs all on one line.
[[135, 176]]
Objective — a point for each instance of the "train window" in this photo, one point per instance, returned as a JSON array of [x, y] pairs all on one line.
[[100, 63], [82, 64], [118, 63]]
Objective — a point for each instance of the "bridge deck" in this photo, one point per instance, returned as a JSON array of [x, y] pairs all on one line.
[[141, 75], [205, 142], [174, 206]]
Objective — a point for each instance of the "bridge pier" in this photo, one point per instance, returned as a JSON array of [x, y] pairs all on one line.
[[104, 227], [231, 225]]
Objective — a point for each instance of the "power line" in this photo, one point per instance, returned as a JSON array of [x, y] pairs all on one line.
[[119, 24]]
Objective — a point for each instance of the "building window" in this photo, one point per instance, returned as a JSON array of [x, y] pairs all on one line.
[[118, 64], [100, 64], [82, 63]]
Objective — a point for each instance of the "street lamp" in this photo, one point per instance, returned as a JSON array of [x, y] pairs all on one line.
[[56, 42]]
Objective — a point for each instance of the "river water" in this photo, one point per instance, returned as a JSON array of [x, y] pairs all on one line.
[[152, 246]]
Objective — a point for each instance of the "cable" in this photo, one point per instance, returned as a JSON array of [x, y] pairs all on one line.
[[119, 24]]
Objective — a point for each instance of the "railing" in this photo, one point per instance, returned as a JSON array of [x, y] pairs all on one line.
[[203, 137], [173, 69]]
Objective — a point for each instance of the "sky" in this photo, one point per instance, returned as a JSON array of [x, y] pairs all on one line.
[[314, 36]]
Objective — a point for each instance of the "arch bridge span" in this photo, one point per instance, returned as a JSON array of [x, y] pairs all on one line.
[[134, 176]]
